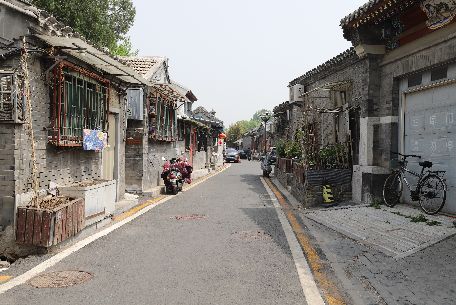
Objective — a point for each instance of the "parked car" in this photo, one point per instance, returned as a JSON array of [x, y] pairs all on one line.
[[232, 155], [242, 154]]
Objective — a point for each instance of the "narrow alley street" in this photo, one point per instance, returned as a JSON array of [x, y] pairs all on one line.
[[233, 251], [175, 152]]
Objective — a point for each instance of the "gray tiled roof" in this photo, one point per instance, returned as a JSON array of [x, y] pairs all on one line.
[[54, 33], [375, 9], [87, 53], [328, 64], [361, 10], [146, 66]]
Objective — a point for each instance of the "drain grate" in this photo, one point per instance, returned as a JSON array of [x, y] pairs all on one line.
[[60, 279], [252, 235], [190, 217]]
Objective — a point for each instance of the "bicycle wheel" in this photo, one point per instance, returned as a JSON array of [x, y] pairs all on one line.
[[392, 189], [432, 194]]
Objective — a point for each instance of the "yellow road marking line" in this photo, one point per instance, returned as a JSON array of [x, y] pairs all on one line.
[[136, 209], [330, 291], [5, 278]]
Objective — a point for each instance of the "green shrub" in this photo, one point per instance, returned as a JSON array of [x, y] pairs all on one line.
[[280, 148], [289, 149], [293, 150]]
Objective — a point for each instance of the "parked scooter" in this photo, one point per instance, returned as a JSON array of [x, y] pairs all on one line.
[[266, 165], [176, 172]]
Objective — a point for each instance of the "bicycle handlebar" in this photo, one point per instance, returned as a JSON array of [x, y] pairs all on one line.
[[406, 156]]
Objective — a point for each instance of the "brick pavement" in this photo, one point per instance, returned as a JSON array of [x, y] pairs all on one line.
[[425, 277], [389, 229], [372, 277]]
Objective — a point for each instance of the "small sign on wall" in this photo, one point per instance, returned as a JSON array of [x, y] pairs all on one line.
[[95, 140]]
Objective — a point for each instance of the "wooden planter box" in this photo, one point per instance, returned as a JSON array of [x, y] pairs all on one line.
[[45, 228]]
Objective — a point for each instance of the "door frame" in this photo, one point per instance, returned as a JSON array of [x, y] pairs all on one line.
[[116, 169]]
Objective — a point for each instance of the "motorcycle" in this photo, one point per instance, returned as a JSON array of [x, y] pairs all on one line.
[[175, 173], [266, 166]]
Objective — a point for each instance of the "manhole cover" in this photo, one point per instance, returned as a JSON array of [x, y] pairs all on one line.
[[189, 217], [252, 235], [60, 279], [265, 197]]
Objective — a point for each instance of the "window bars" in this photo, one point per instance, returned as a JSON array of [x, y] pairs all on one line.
[[80, 100], [12, 107], [162, 125]]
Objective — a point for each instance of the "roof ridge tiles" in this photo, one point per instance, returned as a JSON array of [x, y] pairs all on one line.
[[328, 64], [53, 27], [368, 6]]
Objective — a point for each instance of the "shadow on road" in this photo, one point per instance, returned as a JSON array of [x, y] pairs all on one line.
[[265, 216]]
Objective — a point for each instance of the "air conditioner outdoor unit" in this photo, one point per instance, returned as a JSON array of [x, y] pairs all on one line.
[[298, 91]]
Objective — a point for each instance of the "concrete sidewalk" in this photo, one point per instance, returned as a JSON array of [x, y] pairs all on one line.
[[398, 232]]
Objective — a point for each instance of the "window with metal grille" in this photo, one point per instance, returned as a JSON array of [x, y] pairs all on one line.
[[180, 130], [11, 101], [188, 136], [162, 124], [80, 101]]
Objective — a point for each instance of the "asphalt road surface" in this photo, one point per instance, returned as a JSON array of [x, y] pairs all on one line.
[[234, 252]]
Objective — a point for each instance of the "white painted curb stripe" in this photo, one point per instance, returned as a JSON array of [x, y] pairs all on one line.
[[23, 278], [309, 287]]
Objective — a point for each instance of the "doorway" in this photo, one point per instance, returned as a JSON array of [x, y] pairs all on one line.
[[354, 134], [110, 159]]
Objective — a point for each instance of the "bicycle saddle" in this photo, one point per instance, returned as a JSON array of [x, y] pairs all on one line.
[[426, 164]]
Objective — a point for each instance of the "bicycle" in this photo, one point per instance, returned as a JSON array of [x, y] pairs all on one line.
[[430, 189]]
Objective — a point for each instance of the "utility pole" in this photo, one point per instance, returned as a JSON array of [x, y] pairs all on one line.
[[265, 117]]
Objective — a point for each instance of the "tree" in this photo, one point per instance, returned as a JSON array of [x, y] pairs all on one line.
[[104, 22], [234, 133], [238, 129], [124, 48]]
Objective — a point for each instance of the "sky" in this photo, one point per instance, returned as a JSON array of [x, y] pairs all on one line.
[[238, 56]]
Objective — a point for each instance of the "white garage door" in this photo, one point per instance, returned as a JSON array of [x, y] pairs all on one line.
[[430, 131]]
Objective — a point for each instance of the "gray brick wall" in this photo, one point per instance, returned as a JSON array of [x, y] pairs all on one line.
[[353, 70], [7, 173], [62, 166]]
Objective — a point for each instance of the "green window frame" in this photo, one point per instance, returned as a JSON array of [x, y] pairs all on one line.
[[163, 126]]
